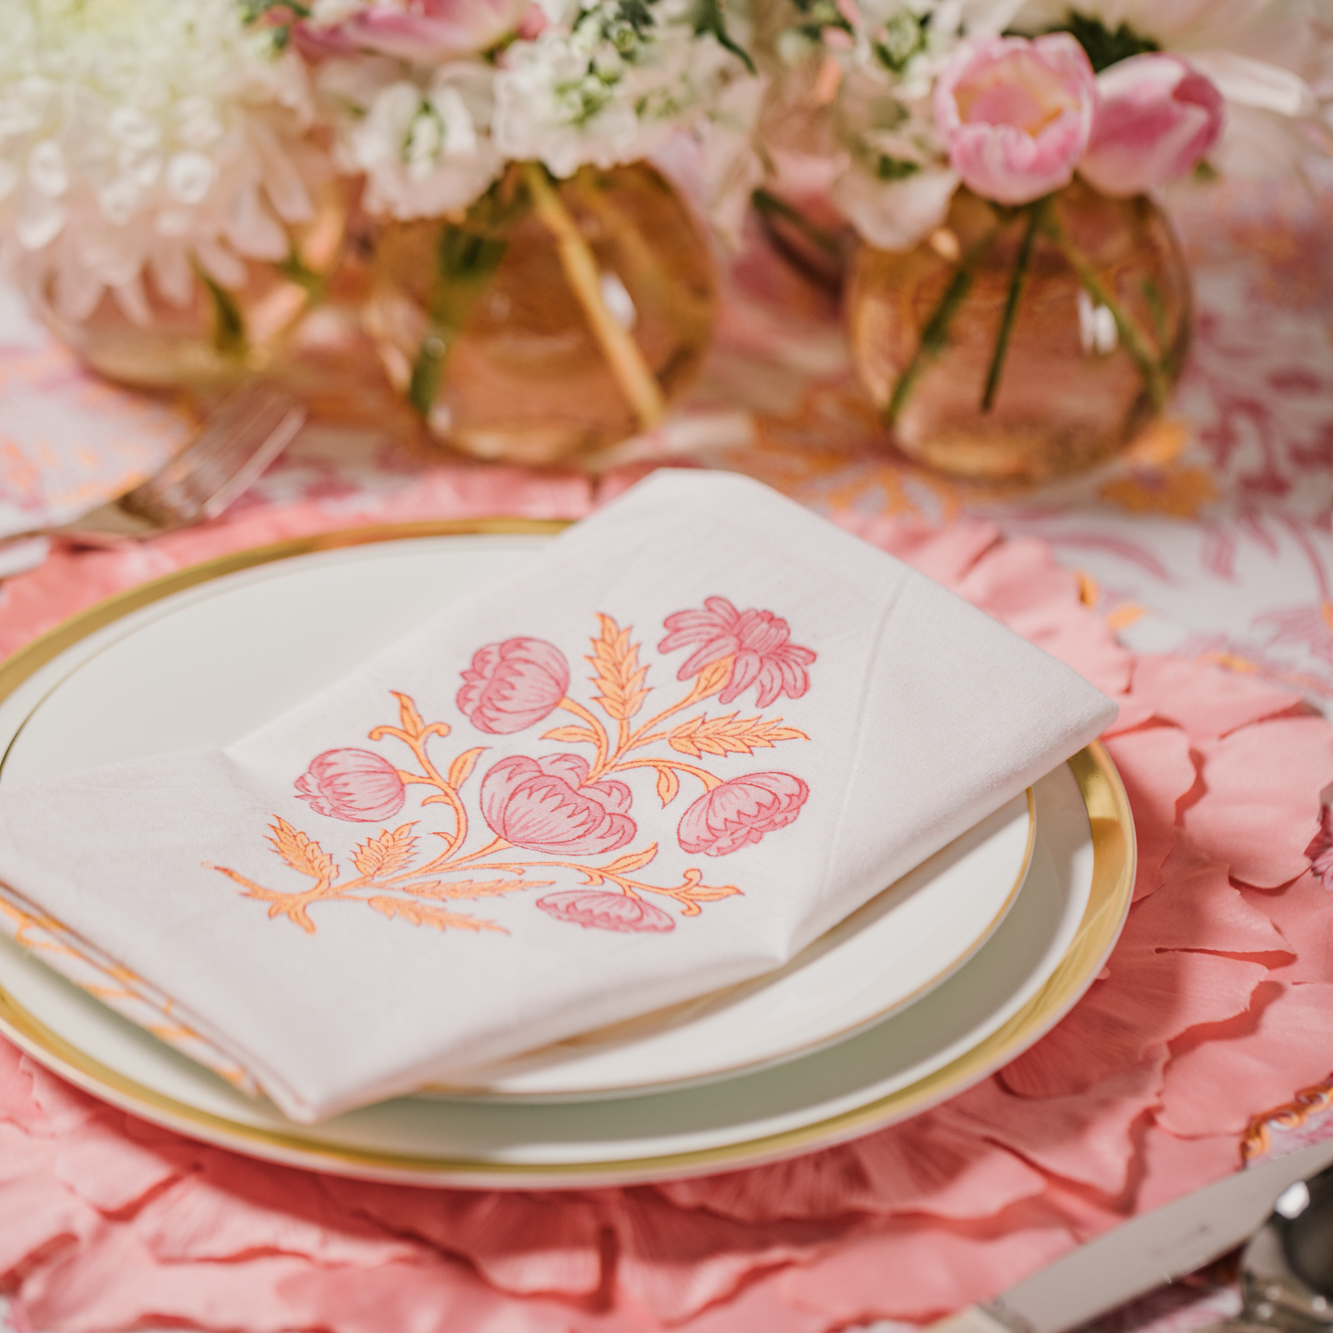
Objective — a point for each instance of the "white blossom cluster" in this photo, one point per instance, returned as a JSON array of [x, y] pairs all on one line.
[[143, 137], [603, 82]]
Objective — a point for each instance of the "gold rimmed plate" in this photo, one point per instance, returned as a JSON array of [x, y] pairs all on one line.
[[1011, 988]]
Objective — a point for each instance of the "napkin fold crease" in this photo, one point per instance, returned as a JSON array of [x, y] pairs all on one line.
[[473, 846]]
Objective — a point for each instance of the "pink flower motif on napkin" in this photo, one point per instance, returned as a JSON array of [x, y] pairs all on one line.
[[352, 784], [605, 911], [759, 642], [543, 805], [512, 685], [739, 812]]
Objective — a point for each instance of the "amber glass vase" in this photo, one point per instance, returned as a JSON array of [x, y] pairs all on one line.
[[1018, 343], [555, 319], [220, 333]]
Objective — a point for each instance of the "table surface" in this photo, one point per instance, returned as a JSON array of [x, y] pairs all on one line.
[[1211, 542]]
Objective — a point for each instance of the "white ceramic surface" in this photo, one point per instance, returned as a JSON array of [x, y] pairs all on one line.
[[205, 666], [893, 1068]]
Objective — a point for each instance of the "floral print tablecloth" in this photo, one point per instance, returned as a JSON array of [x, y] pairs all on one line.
[[1211, 542]]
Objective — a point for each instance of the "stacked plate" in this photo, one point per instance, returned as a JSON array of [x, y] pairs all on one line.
[[941, 979]]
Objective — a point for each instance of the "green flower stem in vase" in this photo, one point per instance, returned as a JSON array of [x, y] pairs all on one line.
[[555, 319], [1014, 345]]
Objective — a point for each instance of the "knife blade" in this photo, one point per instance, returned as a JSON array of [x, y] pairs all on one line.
[[1153, 1248]]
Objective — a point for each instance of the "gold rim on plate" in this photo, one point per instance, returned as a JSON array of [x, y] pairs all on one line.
[[1112, 887]]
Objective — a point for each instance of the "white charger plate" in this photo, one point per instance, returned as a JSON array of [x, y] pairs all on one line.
[[1035, 965]]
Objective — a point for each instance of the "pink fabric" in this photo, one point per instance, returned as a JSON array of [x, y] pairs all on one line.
[[1215, 1006]]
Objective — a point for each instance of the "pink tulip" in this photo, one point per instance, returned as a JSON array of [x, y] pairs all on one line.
[[547, 805], [605, 911], [740, 812], [426, 31], [758, 640], [1156, 120], [512, 685], [352, 784], [1016, 114]]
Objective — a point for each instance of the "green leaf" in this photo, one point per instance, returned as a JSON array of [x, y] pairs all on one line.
[[1105, 46]]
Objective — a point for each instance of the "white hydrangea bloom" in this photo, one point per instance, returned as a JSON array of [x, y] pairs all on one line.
[[143, 136], [422, 137], [609, 88]]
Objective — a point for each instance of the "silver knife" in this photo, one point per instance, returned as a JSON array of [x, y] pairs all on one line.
[[1143, 1253]]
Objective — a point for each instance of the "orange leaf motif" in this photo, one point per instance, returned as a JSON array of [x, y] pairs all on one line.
[[410, 720], [389, 852], [730, 734], [420, 914], [668, 784], [714, 677], [630, 862], [474, 888], [461, 769], [301, 852], [571, 735], [619, 676]]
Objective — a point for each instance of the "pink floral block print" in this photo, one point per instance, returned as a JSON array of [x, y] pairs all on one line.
[[352, 784], [548, 805], [758, 641], [740, 811], [605, 911], [568, 808], [513, 685]]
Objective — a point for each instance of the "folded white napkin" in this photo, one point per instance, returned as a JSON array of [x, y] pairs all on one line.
[[697, 731]]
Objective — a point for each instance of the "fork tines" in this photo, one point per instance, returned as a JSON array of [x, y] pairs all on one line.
[[243, 435]]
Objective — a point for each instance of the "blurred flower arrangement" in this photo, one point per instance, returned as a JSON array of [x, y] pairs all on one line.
[[540, 290], [152, 155], [1002, 135], [163, 161], [174, 176]]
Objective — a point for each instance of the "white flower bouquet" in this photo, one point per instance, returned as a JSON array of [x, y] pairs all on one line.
[[148, 149]]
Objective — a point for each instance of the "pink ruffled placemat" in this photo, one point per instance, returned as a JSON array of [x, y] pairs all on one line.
[[1216, 1006]]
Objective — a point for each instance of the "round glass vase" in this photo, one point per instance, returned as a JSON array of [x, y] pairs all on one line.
[[556, 318], [220, 333], [1015, 344]]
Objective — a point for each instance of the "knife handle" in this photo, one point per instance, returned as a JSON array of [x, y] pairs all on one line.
[[974, 1319]]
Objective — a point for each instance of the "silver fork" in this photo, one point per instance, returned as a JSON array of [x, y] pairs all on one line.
[[239, 439]]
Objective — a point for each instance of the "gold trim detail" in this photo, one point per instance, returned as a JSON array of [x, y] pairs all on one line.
[[1112, 888], [462, 1091]]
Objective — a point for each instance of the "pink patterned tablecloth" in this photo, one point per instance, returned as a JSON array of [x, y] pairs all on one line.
[[1190, 581]]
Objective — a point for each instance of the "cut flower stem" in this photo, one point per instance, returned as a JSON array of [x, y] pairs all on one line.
[[1042, 220], [935, 336], [1036, 212], [623, 355]]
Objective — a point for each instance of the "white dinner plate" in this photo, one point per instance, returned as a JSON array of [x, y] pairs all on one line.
[[1037, 962], [210, 663]]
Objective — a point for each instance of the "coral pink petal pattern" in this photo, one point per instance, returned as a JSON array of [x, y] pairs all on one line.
[[603, 910], [739, 812], [1280, 1040], [352, 784], [1261, 808], [758, 640], [513, 685], [106, 1222], [1155, 765], [543, 806]]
